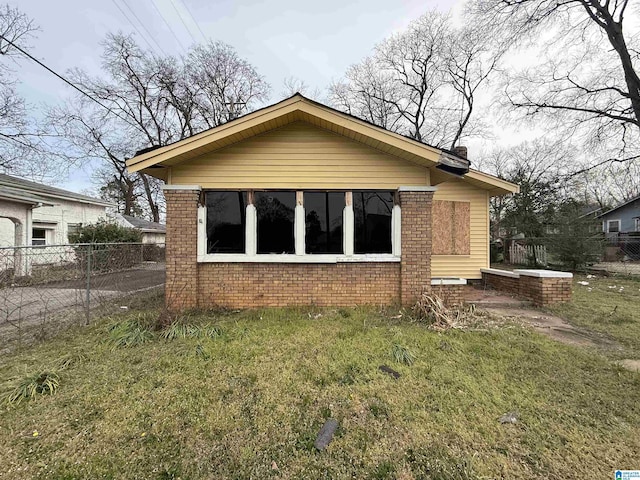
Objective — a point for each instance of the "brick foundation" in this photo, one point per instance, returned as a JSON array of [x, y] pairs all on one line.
[[450, 294], [527, 284], [247, 285]]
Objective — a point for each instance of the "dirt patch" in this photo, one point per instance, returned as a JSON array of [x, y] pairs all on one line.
[[633, 365], [553, 326]]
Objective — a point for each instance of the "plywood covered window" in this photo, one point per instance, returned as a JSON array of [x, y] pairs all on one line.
[[372, 212], [451, 228], [226, 221]]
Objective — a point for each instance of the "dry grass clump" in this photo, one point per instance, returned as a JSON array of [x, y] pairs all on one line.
[[431, 310], [40, 383]]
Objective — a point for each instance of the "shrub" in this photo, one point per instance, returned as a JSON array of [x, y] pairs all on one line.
[[105, 232]]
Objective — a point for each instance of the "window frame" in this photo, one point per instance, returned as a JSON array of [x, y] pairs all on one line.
[[300, 255], [609, 225]]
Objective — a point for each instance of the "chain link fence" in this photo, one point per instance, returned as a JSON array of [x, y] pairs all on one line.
[[44, 288]]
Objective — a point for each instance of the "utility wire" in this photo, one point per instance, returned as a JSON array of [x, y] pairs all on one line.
[[153, 39], [132, 24], [168, 25], [186, 7], [183, 22], [71, 84]]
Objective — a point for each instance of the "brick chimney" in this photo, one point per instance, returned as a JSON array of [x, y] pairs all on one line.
[[460, 151]]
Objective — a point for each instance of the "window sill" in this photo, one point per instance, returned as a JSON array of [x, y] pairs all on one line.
[[284, 258]]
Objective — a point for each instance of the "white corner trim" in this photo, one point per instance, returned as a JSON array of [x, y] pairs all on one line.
[[348, 230], [251, 230], [544, 273], [396, 230], [418, 188], [299, 230], [201, 230], [448, 281], [182, 187], [502, 273]]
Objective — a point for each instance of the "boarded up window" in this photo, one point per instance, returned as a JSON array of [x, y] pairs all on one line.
[[451, 228]]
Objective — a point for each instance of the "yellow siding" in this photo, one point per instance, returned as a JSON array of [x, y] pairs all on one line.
[[299, 155], [465, 266]]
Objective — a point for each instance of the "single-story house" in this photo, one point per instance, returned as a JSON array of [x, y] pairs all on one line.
[[36, 214], [298, 203], [152, 232], [624, 218]]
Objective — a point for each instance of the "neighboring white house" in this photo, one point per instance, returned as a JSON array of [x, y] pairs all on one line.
[[152, 232], [36, 214]]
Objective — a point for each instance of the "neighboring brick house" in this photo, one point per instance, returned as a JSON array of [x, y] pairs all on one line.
[[298, 203]]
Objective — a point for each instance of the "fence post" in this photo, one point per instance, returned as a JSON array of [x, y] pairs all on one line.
[[88, 288]]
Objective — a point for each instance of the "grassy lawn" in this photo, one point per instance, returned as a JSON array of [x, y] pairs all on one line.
[[248, 400], [610, 306]]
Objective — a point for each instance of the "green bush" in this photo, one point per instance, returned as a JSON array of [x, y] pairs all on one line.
[[104, 232]]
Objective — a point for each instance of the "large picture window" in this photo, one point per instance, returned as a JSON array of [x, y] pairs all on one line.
[[226, 221], [299, 226], [372, 211], [323, 222], [276, 217]]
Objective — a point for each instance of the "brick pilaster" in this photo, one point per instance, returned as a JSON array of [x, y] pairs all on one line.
[[181, 288], [415, 275]]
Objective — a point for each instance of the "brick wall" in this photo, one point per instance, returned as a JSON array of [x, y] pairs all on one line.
[[450, 294], [416, 245], [181, 248], [247, 285], [545, 291], [504, 284], [539, 290]]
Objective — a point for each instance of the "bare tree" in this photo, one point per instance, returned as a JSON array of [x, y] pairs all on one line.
[[16, 138], [293, 85], [421, 82], [586, 80], [152, 102]]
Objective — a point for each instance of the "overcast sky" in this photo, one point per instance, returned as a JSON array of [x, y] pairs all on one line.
[[313, 41]]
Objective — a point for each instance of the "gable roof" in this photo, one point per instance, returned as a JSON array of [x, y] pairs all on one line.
[[43, 193], [622, 205], [155, 161], [144, 225]]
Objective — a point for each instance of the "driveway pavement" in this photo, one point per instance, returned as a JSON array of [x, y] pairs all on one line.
[[34, 306]]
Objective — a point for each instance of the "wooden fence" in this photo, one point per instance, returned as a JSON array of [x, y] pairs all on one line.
[[528, 255]]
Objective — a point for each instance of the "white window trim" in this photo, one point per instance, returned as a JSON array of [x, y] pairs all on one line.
[[637, 223], [251, 241], [614, 220]]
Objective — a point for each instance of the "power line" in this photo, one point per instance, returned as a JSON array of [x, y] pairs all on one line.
[[183, 22], [132, 24], [71, 84], [126, 4], [167, 24], [186, 7]]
